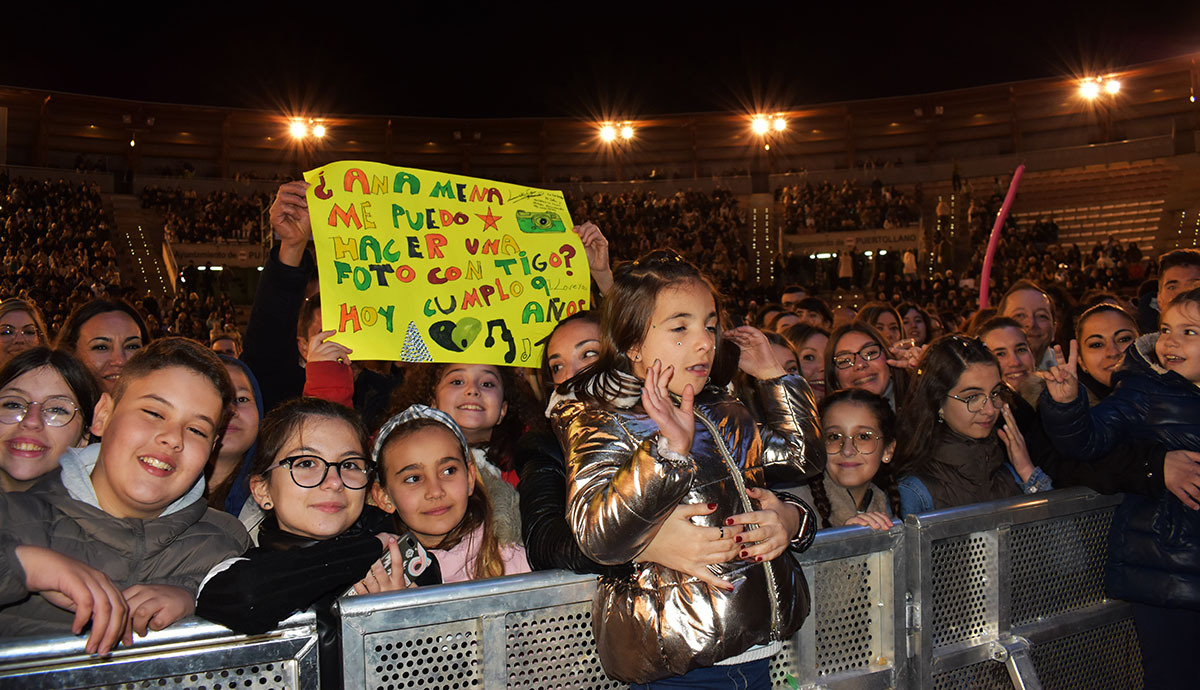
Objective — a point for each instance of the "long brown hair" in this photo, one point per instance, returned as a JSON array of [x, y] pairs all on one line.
[[625, 319], [488, 562]]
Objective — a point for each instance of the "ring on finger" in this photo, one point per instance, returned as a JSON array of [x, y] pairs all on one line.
[[722, 532]]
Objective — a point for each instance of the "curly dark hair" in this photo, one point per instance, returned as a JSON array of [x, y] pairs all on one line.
[[420, 388]]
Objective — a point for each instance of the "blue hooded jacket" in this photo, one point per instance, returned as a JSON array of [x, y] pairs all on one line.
[[240, 491]]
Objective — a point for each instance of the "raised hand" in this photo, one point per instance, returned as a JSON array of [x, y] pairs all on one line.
[[675, 424], [1062, 381], [321, 349], [907, 354], [154, 607], [1014, 441], [596, 247], [689, 548], [289, 220], [75, 586], [757, 358]]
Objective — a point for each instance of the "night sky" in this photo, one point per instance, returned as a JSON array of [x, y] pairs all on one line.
[[570, 59]]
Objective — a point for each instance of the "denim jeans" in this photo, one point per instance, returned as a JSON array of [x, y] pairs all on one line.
[[752, 675]]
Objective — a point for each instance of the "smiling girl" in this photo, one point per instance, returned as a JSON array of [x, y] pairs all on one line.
[[952, 450], [46, 403], [429, 483]]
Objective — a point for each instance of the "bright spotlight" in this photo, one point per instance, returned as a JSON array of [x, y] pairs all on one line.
[[1089, 89], [298, 130], [319, 131], [608, 133], [759, 125], [626, 132], [779, 124], [1112, 86]]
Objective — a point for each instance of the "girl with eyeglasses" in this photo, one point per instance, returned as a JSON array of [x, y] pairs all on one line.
[[311, 476], [952, 449], [46, 403], [858, 357], [857, 488], [21, 328]]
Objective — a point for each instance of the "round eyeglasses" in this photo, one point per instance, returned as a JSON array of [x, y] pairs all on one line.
[[28, 333], [865, 442], [867, 354], [309, 471], [55, 411], [976, 401]]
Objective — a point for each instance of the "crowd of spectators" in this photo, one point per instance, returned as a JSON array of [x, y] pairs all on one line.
[[216, 216], [56, 249], [826, 207], [706, 228]]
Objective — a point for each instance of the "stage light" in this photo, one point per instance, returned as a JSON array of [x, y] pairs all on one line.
[[608, 133], [1089, 89], [759, 125], [132, 143], [626, 132], [1112, 86], [319, 131], [779, 124], [298, 129]]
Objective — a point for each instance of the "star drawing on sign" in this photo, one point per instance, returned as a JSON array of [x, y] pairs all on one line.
[[489, 221]]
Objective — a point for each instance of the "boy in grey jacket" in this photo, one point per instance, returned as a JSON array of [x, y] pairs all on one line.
[[122, 536]]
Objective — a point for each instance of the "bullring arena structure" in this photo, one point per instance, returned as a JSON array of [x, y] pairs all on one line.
[[995, 595]]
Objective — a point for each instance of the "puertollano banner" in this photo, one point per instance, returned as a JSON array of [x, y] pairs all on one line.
[[421, 266]]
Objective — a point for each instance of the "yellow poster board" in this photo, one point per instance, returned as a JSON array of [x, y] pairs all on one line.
[[421, 266]]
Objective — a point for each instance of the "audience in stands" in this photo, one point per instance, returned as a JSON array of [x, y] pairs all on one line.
[[216, 216]]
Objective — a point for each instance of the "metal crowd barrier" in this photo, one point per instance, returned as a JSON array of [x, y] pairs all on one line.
[[999, 595], [1011, 594], [193, 653]]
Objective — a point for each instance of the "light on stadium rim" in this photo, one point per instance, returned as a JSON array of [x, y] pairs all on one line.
[[299, 128], [609, 132], [762, 124], [1090, 88]]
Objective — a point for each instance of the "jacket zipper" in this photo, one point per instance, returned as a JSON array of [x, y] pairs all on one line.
[[772, 595]]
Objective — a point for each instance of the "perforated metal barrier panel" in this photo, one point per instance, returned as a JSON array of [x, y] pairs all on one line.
[[1013, 593], [192, 654], [989, 596]]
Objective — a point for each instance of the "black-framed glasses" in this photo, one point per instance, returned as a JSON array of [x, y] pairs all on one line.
[[309, 471], [28, 333], [867, 354], [55, 411], [865, 442], [976, 401]]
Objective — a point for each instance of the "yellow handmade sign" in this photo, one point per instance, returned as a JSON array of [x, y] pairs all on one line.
[[421, 266]]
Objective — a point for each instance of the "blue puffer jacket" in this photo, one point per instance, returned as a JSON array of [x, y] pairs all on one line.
[[1154, 544]]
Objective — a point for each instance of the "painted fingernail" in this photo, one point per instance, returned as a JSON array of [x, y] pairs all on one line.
[[737, 539], [712, 506], [745, 554], [729, 521], [758, 559]]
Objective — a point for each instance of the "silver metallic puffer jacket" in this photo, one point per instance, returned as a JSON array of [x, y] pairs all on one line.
[[660, 622]]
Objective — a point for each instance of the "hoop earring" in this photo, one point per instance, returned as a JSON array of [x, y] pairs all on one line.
[[268, 505]]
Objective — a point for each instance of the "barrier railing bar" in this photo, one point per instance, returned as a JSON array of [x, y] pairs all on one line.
[[189, 632], [1076, 621]]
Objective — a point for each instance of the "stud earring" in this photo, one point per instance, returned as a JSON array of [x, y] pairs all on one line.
[[637, 358], [941, 414], [267, 505], [679, 344]]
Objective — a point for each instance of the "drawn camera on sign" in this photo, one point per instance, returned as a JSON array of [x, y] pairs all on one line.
[[540, 221]]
